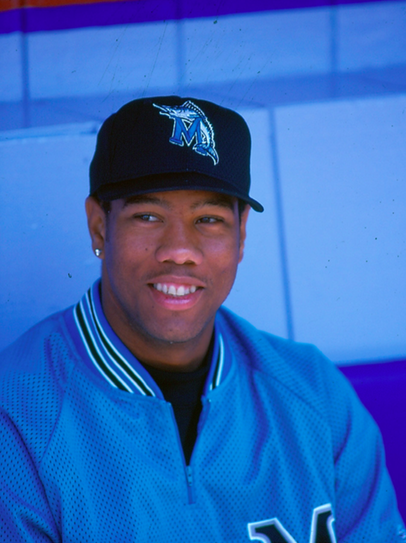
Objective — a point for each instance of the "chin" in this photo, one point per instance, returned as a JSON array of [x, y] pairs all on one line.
[[182, 333], [174, 337]]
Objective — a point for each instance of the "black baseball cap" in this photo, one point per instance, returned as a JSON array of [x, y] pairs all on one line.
[[171, 143]]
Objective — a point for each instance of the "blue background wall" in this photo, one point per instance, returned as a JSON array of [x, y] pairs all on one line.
[[324, 92]]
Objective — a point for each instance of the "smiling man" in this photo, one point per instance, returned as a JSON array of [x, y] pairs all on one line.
[[148, 412], [169, 262]]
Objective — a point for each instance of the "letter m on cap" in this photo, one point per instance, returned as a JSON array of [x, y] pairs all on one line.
[[272, 531], [188, 134]]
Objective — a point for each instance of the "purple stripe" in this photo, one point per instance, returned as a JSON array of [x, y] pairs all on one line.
[[381, 388], [214, 8], [113, 13], [10, 21], [377, 372]]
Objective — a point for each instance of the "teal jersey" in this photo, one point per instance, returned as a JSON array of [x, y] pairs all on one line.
[[90, 451]]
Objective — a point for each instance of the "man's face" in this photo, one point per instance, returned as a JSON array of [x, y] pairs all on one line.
[[169, 262]]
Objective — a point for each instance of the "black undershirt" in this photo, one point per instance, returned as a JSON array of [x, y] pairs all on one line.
[[184, 391]]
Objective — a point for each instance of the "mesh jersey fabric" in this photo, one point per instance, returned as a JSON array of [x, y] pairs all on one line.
[[282, 435]]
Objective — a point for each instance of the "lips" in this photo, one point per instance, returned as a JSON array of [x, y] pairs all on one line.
[[175, 290]]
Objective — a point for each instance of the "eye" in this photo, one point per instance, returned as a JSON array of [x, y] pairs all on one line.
[[146, 217], [209, 220]]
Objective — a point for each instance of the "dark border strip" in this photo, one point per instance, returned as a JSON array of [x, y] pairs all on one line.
[[142, 11]]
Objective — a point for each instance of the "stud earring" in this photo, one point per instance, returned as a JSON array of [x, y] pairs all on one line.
[[97, 252]]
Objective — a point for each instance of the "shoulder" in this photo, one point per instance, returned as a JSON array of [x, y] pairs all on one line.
[[34, 371], [26, 353], [299, 378], [29, 341], [36, 364], [299, 368], [287, 361]]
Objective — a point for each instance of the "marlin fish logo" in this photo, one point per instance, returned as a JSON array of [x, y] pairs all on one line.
[[190, 124]]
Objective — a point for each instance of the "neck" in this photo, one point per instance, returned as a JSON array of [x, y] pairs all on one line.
[[167, 354]]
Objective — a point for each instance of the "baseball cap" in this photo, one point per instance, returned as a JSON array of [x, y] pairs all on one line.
[[172, 143]]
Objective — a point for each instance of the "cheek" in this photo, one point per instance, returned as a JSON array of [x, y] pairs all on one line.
[[125, 246], [224, 258], [123, 257]]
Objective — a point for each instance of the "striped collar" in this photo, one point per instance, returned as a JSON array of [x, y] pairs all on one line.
[[105, 354]]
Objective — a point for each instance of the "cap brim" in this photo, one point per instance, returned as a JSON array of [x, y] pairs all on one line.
[[170, 182]]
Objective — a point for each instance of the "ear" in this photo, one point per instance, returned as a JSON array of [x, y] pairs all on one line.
[[243, 230], [96, 222]]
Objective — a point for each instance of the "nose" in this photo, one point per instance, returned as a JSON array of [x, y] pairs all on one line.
[[179, 245]]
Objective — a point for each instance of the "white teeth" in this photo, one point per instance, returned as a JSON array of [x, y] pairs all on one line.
[[173, 291]]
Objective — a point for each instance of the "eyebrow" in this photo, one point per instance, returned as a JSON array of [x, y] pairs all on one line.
[[220, 200], [145, 199]]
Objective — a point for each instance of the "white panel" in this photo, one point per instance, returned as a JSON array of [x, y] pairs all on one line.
[[371, 35], [10, 67], [257, 45], [47, 262], [102, 60], [344, 188], [257, 294]]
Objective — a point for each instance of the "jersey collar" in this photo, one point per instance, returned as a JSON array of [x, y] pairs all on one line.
[[105, 354]]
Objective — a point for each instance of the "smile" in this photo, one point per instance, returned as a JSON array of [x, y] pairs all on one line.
[[175, 290]]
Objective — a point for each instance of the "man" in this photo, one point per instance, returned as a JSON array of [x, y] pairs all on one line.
[[147, 412]]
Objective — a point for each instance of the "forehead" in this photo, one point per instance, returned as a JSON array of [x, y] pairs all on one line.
[[192, 199]]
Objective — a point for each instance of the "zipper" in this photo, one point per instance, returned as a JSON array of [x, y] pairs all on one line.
[[191, 494], [187, 469], [190, 486]]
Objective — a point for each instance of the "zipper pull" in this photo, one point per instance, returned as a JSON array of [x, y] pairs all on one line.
[[189, 475], [190, 489]]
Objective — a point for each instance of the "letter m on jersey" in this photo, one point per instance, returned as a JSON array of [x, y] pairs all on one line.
[[272, 531]]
